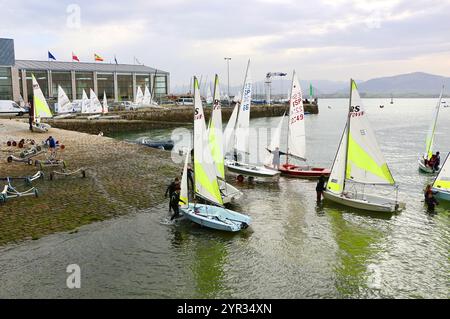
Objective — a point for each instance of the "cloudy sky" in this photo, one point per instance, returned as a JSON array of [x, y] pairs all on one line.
[[321, 39]]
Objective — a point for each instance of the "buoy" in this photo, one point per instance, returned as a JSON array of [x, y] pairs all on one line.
[[62, 147], [8, 143], [14, 143]]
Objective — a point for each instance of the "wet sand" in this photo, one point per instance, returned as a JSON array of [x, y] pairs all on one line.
[[121, 178]]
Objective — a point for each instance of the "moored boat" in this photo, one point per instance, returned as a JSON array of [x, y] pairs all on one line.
[[441, 185]]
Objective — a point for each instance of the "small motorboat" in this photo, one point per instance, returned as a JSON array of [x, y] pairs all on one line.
[[304, 171], [166, 145]]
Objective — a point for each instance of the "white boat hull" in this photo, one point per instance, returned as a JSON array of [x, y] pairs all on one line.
[[229, 192], [251, 170], [424, 168], [365, 202], [216, 217], [40, 128], [441, 194]]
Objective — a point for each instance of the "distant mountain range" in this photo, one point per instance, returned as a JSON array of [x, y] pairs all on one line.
[[417, 84]]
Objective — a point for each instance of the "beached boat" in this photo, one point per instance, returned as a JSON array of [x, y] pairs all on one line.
[[359, 162], [239, 139], [441, 185], [215, 217], [105, 104], [296, 138], [430, 140], [65, 108], [40, 109], [85, 103]]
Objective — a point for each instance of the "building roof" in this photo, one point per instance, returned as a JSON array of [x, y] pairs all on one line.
[[87, 67]]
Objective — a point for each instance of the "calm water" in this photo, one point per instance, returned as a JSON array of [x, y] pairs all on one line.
[[293, 249]]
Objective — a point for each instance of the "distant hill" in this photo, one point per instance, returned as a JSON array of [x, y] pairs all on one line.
[[417, 84]]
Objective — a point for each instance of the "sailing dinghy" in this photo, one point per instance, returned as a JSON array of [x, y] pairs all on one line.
[[237, 164], [207, 151], [430, 140], [40, 109], [214, 217], [95, 106], [65, 108], [359, 162], [441, 185], [296, 138], [215, 137]]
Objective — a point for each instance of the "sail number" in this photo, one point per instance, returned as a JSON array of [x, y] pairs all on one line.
[[216, 104], [356, 111], [197, 116]]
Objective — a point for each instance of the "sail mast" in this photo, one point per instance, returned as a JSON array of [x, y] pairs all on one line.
[[348, 132], [289, 120]]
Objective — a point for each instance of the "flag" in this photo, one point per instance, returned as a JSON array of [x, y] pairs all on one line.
[[51, 56], [75, 58], [97, 57], [115, 60]]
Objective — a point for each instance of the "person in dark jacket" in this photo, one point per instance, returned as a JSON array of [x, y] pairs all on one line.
[[171, 189], [320, 187], [431, 201], [30, 117], [175, 203], [437, 162], [52, 145]]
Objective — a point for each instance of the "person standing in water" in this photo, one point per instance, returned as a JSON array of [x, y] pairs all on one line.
[[175, 203], [320, 187], [171, 189], [276, 157]]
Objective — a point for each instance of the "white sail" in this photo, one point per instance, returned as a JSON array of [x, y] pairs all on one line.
[[184, 197], [243, 122], [337, 177], [95, 105], [442, 181], [365, 161], [64, 105], [105, 103], [215, 133], [209, 97], [275, 141], [147, 99], [237, 98], [85, 103], [228, 135], [40, 109], [296, 135], [205, 172], [139, 96], [430, 137]]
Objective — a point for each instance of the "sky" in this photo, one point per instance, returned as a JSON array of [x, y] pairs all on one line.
[[322, 39]]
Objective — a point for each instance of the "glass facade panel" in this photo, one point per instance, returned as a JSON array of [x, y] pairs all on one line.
[[84, 80], [160, 85], [41, 78], [64, 79], [6, 92], [125, 87], [105, 83]]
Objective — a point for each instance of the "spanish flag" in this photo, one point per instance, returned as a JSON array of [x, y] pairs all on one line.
[[97, 57]]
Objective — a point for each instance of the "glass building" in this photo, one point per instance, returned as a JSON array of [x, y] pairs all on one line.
[[118, 81]]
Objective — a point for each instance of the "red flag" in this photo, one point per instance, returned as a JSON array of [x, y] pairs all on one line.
[[75, 58]]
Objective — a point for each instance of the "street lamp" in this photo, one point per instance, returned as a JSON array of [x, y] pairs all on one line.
[[228, 67]]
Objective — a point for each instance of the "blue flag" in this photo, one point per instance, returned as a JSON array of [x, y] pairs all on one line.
[[50, 56]]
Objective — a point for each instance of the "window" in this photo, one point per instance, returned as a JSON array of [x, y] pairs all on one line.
[[160, 85], [105, 83], [125, 87], [64, 79], [5, 84], [83, 81]]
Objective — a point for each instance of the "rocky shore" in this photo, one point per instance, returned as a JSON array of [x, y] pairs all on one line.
[[121, 178]]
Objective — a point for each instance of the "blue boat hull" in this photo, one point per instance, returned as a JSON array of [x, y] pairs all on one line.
[[216, 217], [443, 195]]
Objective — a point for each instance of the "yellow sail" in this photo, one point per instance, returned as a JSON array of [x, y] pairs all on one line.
[[205, 173], [40, 105]]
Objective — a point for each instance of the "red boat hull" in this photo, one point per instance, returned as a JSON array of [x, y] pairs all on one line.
[[309, 172]]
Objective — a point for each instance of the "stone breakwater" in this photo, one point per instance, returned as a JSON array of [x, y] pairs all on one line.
[[157, 118], [121, 178]]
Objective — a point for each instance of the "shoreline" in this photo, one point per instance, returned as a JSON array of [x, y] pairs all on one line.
[[66, 203]]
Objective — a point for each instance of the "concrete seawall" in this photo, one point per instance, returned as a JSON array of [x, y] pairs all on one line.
[[159, 118]]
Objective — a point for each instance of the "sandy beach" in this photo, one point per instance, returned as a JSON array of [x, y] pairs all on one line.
[[121, 178]]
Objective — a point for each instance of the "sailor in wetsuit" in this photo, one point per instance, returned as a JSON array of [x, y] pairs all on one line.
[[175, 202]]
